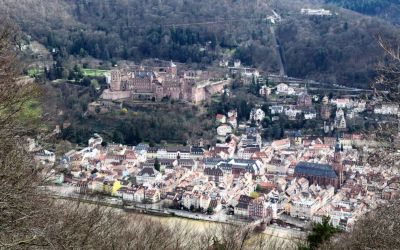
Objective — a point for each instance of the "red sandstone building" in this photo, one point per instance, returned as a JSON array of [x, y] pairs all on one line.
[[322, 174], [162, 82]]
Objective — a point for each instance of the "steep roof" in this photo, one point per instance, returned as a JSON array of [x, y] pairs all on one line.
[[150, 171], [196, 150], [213, 161], [186, 162], [213, 171], [315, 169], [182, 149], [244, 198]]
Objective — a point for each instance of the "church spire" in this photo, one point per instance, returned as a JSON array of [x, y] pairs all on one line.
[[337, 160], [339, 145]]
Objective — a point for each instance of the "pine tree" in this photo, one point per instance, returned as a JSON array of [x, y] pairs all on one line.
[[320, 233], [157, 165]]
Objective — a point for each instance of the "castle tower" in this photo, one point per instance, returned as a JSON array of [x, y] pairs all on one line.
[[172, 69], [115, 84]]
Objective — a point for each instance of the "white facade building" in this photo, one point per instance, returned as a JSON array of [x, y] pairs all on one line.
[[224, 130], [387, 109], [257, 115]]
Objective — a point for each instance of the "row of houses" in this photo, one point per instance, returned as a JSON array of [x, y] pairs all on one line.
[[183, 152], [140, 195], [255, 208]]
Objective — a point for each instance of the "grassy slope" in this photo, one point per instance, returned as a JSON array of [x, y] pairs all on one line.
[[95, 72]]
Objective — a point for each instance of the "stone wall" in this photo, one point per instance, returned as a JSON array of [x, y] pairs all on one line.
[[115, 95], [206, 90]]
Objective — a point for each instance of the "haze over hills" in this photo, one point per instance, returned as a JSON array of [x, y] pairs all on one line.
[[339, 49]]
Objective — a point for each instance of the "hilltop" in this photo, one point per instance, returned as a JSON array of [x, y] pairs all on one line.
[[338, 49], [386, 9]]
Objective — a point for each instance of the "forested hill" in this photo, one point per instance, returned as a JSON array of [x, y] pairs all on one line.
[[339, 49], [387, 9], [135, 29]]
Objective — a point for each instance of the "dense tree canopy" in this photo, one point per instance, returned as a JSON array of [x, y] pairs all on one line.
[[336, 49]]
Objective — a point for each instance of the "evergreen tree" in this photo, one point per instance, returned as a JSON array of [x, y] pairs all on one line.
[[277, 131], [97, 50], [118, 137], [320, 233], [106, 55], [157, 165]]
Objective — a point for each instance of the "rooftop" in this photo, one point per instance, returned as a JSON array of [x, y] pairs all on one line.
[[315, 169]]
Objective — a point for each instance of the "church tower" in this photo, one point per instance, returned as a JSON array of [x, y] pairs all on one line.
[[337, 161]]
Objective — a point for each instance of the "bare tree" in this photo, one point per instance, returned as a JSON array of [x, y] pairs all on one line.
[[31, 220], [387, 90], [15, 91], [378, 228], [20, 203]]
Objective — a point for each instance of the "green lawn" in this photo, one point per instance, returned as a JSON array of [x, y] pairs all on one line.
[[35, 72], [31, 110], [94, 72]]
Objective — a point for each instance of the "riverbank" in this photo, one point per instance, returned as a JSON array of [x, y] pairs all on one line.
[[283, 238], [271, 238]]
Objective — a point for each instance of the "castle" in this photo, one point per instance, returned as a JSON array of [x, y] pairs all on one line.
[[162, 82]]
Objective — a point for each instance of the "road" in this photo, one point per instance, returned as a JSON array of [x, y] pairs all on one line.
[[67, 191]]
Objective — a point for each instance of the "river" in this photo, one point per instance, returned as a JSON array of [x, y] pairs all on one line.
[[272, 238]]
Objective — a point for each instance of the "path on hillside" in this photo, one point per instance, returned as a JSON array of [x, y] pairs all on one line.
[[279, 51]]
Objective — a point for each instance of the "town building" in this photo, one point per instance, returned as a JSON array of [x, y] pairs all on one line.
[[326, 112], [340, 120], [322, 174], [232, 118], [304, 100], [220, 118], [224, 130], [281, 144], [242, 208], [265, 91], [257, 115], [387, 109], [310, 114], [259, 208], [276, 109], [45, 156], [147, 175], [214, 174], [292, 112], [284, 89], [342, 103], [316, 12]]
